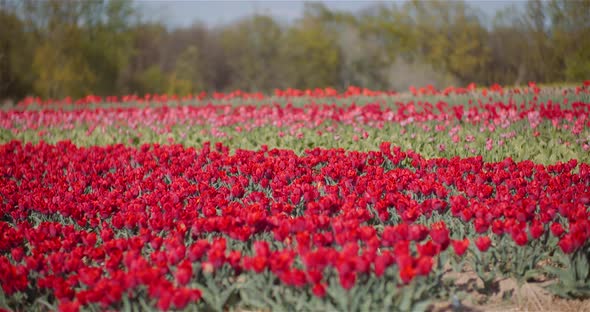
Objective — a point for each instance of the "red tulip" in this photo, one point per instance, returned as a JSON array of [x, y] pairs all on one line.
[[460, 246], [319, 290], [483, 243], [566, 244], [184, 272], [536, 229], [407, 273], [520, 237], [424, 265], [557, 229], [440, 234]]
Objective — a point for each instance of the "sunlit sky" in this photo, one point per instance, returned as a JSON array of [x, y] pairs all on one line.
[[176, 13]]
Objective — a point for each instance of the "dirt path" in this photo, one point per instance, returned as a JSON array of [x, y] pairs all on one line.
[[506, 296]]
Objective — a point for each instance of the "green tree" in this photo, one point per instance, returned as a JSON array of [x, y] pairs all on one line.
[[16, 47], [145, 60], [362, 54], [187, 77], [506, 40], [59, 73], [311, 55], [83, 45], [152, 80], [107, 44], [544, 61], [450, 37], [570, 21], [251, 49]]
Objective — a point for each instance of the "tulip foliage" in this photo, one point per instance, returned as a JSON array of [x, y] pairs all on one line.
[[150, 226]]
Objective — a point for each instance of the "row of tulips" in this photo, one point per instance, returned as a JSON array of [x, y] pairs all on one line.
[[534, 128], [290, 93], [171, 227], [488, 114], [238, 94]]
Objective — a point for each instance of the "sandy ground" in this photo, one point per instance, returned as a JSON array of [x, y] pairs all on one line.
[[507, 296]]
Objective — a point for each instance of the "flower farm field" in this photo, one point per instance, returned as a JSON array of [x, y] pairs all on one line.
[[442, 200]]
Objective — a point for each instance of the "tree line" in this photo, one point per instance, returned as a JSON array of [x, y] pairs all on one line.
[[59, 48]]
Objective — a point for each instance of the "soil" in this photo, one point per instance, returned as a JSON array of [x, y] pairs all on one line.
[[506, 295]]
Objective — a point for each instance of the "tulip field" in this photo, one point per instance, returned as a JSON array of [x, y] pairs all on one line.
[[317, 200]]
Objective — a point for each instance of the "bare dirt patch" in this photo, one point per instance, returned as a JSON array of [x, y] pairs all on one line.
[[505, 295]]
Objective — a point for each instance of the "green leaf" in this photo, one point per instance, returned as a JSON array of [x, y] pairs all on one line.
[[3, 303], [207, 295], [226, 294], [252, 301], [581, 266], [407, 297], [47, 304], [126, 304], [145, 306], [421, 305]]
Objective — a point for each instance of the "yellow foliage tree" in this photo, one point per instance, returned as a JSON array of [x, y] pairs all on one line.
[[59, 74]]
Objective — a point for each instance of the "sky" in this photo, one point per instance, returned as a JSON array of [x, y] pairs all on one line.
[[178, 13]]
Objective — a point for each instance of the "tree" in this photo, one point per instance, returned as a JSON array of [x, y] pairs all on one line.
[[544, 62], [84, 46], [450, 37], [187, 77], [252, 52], [15, 55], [570, 22], [146, 60], [311, 55], [507, 41], [107, 44], [60, 73]]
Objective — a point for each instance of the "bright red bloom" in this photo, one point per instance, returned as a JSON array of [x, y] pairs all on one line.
[[347, 280], [417, 232], [90, 276], [498, 227], [184, 272], [314, 276], [557, 229], [198, 249], [164, 301], [460, 246], [440, 234], [429, 249], [297, 278], [69, 306], [481, 226], [483, 243], [520, 237], [183, 296], [256, 264], [404, 260], [401, 249], [234, 259], [424, 265], [319, 290], [381, 263], [17, 254], [407, 273], [262, 249], [566, 244], [537, 229]]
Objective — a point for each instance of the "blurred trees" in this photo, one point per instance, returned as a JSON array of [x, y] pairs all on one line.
[[252, 48], [15, 55], [570, 21], [310, 54], [81, 46], [58, 48]]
